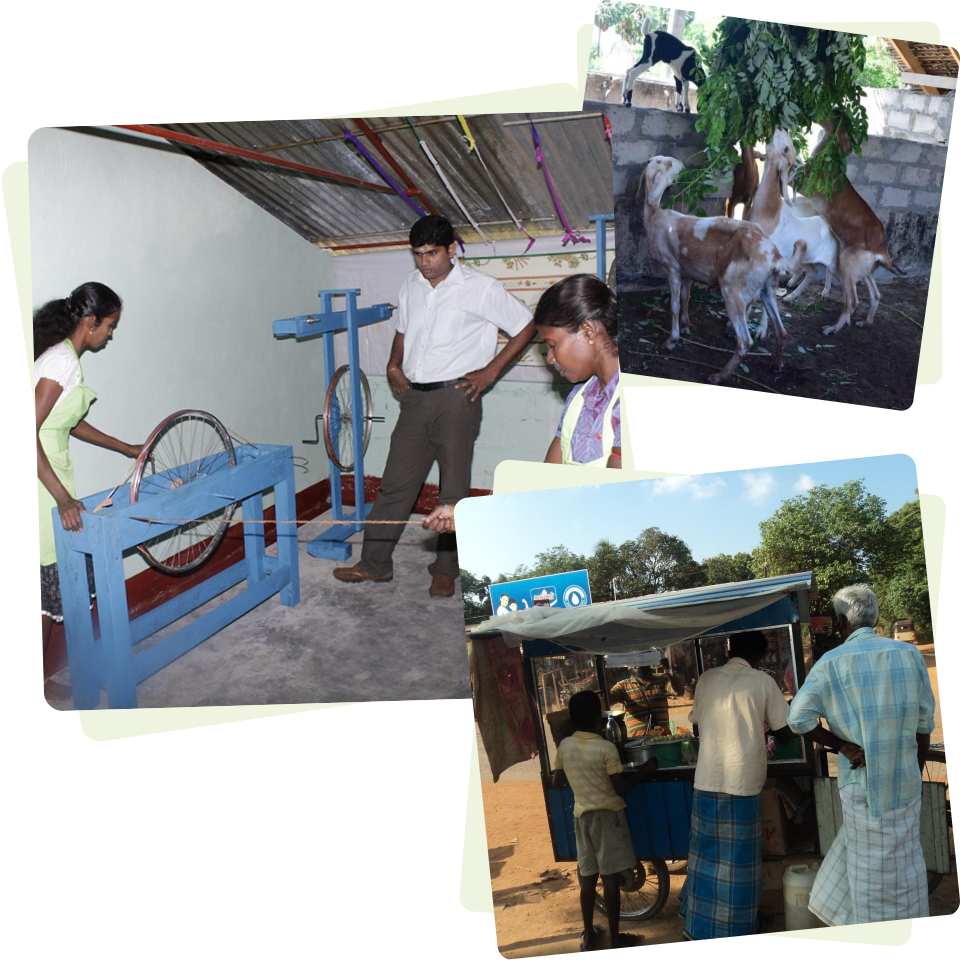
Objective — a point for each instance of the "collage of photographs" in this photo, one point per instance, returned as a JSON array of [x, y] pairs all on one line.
[[346, 374]]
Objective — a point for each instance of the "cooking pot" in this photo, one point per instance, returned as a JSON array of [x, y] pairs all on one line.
[[639, 750]]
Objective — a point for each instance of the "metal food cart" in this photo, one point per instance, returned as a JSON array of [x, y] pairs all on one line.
[[693, 625]]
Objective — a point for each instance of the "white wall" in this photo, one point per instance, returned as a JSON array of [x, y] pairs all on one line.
[[202, 271]]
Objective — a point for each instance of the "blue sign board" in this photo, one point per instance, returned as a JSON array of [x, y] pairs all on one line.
[[557, 590]]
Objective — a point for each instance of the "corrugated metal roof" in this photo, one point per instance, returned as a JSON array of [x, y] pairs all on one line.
[[330, 214]]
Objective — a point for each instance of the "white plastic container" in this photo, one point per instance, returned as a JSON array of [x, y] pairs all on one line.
[[797, 883]]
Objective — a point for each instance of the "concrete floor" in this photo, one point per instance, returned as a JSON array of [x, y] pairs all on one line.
[[342, 642]]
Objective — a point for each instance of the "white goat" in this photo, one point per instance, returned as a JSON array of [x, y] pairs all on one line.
[[733, 255], [772, 212]]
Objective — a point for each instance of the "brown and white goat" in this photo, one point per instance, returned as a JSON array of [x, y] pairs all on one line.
[[863, 246], [746, 179], [730, 254], [773, 212]]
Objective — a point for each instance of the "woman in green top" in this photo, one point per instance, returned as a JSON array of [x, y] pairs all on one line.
[[62, 331]]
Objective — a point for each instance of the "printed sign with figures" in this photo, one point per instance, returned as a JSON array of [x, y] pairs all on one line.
[[570, 589]]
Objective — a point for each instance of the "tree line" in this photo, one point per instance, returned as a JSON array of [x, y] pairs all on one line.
[[841, 533]]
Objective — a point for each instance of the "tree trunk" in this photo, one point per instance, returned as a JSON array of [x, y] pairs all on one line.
[[678, 19]]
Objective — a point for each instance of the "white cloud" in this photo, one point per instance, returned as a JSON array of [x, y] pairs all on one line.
[[804, 484], [759, 485], [698, 488]]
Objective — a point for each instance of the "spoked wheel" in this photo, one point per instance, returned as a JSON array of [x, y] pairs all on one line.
[[648, 901], [338, 417], [187, 446]]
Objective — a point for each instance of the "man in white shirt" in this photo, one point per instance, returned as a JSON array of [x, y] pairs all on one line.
[[442, 359], [732, 703]]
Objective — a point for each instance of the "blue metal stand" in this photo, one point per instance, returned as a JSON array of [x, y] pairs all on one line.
[[601, 220], [331, 544], [111, 662]]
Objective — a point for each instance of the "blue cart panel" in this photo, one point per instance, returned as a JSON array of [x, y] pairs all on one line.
[[658, 815]]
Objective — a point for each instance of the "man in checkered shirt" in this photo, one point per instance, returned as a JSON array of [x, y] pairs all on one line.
[[875, 692]]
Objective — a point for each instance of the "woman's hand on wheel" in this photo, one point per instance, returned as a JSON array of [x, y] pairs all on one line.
[[70, 511]]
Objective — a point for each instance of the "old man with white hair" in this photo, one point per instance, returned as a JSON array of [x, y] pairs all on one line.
[[875, 692]]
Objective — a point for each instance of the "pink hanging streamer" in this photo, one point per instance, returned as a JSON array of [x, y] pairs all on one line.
[[569, 235]]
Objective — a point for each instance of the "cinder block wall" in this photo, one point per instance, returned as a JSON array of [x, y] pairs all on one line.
[[909, 115], [900, 180]]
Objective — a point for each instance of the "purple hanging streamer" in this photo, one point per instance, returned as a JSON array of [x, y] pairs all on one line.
[[383, 173], [569, 235]]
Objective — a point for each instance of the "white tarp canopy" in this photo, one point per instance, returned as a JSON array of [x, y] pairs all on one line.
[[641, 623]]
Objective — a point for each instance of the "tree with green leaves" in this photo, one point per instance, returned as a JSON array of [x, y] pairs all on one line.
[[724, 568], [900, 575], [764, 75], [656, 562], [603, 567], [840, 533], [557, 559], [476, 596]]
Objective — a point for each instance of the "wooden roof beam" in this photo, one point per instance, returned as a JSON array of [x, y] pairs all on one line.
[[906, 54]]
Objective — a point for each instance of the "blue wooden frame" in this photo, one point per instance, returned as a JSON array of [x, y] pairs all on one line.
[[601, 220], [331, 544], [111, 662]]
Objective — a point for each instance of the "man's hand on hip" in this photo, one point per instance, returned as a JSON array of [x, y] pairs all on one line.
[[854, 753], [473, 384], [398, 380]]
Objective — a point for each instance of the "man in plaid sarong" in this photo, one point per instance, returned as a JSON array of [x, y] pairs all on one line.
[[876, 692], [722, 891]]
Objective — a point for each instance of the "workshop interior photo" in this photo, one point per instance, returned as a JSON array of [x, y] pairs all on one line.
[[235, 248]]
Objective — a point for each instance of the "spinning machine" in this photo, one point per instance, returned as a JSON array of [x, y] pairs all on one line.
[[346, 417], [186, 487]]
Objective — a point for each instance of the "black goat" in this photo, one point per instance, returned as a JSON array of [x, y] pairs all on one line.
[[662, 47]]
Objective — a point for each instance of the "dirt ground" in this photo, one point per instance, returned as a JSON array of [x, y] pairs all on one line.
[[540, 915], [875, 366]]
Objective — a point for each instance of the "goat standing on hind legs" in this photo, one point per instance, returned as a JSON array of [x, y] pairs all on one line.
[[662, 47], [863, 245], [772, 211], [730, 254]]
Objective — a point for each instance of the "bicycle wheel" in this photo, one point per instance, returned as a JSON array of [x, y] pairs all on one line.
[[185, 447], [648, 901], [338, 417]]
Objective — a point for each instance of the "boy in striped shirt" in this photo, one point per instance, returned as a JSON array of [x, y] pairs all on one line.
[[590, 766]]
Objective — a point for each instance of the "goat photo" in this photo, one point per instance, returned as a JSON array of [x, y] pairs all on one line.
[[817, 183]]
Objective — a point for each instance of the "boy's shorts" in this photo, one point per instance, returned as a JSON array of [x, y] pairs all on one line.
[[603, 843]]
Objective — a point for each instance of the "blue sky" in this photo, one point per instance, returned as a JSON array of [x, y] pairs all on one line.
[[713, 512]]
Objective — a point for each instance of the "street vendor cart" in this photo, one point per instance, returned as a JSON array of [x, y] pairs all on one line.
[[562, 651]]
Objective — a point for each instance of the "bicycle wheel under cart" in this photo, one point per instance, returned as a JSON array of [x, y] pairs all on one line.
[[648, 899]]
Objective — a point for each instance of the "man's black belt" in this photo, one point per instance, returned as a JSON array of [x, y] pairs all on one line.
[[434, 386]]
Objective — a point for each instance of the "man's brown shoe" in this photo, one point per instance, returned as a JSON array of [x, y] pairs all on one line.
[[442, 586], [356, 574]]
